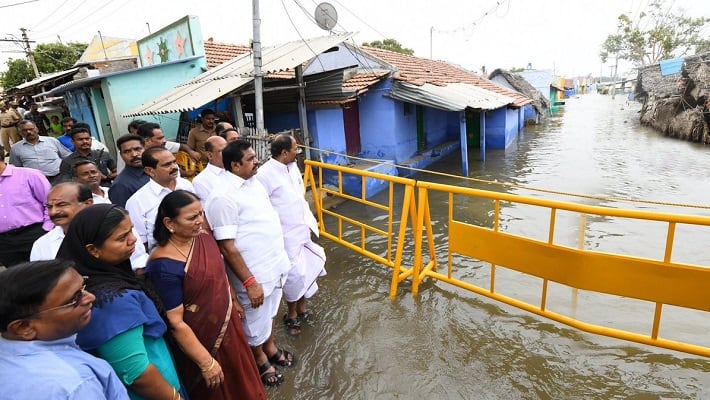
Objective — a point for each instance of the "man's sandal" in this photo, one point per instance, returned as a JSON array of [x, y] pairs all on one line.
[[270, 378], [289, 360], [304, 317], [293, 326]]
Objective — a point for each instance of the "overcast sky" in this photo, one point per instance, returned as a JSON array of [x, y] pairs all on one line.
[[559, 35]]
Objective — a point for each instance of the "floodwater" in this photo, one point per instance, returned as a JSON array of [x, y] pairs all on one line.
[[447, 343]]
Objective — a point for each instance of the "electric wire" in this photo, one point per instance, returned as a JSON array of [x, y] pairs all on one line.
[[51, 14], [283, 3]]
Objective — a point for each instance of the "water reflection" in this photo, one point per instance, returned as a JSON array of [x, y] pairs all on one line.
[[450, 344]]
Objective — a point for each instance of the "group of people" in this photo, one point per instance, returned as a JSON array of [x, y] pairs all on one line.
[[152, 286]]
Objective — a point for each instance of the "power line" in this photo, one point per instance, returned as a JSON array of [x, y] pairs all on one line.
[[474, 23], [19, 4], [361, 20], [301, 36], [49, 15]]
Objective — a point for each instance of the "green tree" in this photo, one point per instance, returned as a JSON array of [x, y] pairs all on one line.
[[391, 45], [656, 35], [18, 72], [49, 57], [53, 57]]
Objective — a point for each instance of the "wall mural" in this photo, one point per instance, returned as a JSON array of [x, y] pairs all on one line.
[[174, 42]]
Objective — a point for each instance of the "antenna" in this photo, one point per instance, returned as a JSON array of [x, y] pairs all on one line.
[[325, 15]]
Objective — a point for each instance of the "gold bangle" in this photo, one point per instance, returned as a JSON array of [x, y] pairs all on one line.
[[210, 367], [176, 396]]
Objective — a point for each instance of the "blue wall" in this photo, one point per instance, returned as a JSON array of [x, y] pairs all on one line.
[[126, 91], [502, 126], [80, 108], [327, 130], [277, 122], [379, 122], [530, 113]]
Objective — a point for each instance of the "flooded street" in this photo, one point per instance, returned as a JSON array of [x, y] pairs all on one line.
[[448, 343]]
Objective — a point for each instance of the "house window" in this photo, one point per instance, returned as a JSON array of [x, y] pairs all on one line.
[[407, 108]]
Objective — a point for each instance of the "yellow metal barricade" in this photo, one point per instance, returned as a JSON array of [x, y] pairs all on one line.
[[406, 210], [662, 282], [658, 281]]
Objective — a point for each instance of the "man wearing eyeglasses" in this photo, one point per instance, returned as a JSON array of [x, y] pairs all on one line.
[[42, 307]]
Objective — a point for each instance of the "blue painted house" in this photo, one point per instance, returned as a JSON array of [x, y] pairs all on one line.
[[533, 112], [405, 110]]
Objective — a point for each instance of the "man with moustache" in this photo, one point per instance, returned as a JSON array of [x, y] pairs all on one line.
[[132, 177], [249, 235], [87, 172], [212, 177], [64, 201], [23, 217], [159, 164], [198, 135], [82, 141], [282, 180], [42, 307], [42, 153]]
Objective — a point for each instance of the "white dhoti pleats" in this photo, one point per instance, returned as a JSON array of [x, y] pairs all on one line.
[[306, 267]]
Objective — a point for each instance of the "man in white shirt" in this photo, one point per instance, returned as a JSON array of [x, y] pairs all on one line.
[[249, 235], [64, 201], [212, 177], [282, 180], [159, 164], [86, 172]]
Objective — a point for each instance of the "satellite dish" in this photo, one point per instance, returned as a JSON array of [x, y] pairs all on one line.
[[326, 16]]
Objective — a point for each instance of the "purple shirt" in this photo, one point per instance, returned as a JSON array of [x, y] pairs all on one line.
[[23, 193]]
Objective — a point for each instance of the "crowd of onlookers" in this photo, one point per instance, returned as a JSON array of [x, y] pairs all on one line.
[[161, 281]]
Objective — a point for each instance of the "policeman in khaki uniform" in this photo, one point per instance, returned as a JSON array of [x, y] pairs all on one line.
[[9, 117]]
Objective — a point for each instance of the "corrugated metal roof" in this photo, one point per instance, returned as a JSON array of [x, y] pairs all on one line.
[[45, 78], [452, 97], [86, 81], [418, 71], [234, 74]]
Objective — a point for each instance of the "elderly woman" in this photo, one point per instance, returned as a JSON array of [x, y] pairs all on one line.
[[126, 328], [188, 272]]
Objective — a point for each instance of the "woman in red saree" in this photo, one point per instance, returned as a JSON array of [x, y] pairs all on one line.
[[214, 358]]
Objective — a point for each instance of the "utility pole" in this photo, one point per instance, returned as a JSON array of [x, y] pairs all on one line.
[[613, 79], [28, 49], [258, 78], [431, 43]]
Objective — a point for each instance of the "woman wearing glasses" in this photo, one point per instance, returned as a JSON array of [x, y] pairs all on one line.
[[187, 269], [126, 328]]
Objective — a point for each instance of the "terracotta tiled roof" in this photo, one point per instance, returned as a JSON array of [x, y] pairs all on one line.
[[419, 71], [217, 53], [361, 82]]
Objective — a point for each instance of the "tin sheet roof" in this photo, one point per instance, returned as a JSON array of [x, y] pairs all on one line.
[[45, 78], [232, 75], [452, 97]]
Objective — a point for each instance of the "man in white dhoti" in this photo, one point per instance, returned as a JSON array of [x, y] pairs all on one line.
[[282, 180], [249, 235]]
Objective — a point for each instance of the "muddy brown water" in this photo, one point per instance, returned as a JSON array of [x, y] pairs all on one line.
[[447, 343]]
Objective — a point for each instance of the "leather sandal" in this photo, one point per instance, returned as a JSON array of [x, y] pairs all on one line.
[[267, 378], [289, 360]]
